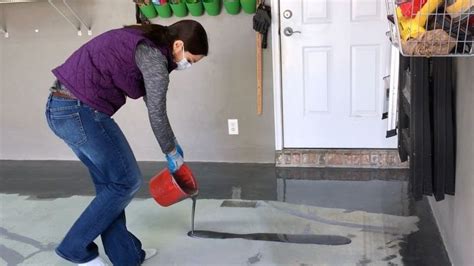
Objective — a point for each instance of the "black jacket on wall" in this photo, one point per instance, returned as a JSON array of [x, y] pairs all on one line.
[[426, 124]]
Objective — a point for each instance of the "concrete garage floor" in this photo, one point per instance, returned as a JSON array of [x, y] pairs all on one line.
[[41, 199]]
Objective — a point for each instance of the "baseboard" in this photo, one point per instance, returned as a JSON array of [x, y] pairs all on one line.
[[441, 230]]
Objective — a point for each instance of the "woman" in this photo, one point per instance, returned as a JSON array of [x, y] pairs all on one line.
[[91, 86]]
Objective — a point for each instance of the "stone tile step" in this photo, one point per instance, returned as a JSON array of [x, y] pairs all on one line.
[[341, 158]]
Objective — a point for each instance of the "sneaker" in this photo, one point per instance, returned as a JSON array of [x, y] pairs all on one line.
[[150, 253], [95, 262]]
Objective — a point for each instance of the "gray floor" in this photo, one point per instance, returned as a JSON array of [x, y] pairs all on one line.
[[352, 190]]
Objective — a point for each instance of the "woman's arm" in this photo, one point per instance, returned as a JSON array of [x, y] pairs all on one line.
[[153, 65]]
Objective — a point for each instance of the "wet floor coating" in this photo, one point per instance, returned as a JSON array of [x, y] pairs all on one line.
[[371, 208], [166, 229], [330, 240]]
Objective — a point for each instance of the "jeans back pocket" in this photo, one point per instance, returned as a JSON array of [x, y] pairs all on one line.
[[69, 128]]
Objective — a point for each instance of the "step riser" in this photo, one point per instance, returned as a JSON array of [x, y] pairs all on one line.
[[378, 159]]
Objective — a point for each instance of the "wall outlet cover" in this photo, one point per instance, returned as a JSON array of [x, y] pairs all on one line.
[[233, 126]]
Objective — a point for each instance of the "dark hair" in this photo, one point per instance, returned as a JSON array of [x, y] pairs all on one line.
[[190, 32]]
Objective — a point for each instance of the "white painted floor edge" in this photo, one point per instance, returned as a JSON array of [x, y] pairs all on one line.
[[36, 226]]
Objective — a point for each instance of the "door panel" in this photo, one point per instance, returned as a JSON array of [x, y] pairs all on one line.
[[332, 70]]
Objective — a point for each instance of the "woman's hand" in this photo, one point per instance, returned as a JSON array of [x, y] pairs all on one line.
[[175, 160]]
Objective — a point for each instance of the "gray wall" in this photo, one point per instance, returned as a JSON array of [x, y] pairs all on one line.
[[200, 100], [1, 86], [455, 215]]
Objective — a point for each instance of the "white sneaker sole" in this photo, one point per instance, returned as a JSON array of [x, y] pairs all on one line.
[[150, 253]]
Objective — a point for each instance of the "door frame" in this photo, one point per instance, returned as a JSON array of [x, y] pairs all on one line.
[[277, 75]]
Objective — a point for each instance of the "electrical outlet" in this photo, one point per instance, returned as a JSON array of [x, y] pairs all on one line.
[[233, 126]]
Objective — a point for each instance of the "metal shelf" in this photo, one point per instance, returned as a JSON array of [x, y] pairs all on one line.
[[437, 28]]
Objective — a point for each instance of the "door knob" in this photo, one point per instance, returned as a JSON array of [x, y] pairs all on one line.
[[288, 31]]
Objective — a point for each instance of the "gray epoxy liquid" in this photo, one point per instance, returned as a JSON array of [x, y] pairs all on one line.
[[331, 240], [193, 213]]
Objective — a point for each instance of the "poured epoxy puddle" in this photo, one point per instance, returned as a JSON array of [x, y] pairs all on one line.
[[331, 240], [238, 204]]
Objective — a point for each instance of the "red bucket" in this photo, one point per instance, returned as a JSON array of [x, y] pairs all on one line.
[[168, 189]]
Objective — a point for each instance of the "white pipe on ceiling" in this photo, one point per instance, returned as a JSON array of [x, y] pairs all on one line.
[[20, 1], [51, 2], [3, 25], [77, 27], [88, 27]]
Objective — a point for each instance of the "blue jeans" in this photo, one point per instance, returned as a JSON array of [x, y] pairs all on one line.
[[100, 144]]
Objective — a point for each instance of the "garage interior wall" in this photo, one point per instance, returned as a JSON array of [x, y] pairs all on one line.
[[200, 100], [454, 215]]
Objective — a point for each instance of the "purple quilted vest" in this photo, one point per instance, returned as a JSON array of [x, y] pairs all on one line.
[[103, 72]]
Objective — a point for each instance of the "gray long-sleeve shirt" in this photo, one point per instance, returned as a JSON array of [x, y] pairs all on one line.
[[154, 67]]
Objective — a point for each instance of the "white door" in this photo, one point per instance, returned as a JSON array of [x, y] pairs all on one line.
[[332, 73]]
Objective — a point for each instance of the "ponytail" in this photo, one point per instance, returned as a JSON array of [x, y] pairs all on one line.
[[190, 32], [157, 34]]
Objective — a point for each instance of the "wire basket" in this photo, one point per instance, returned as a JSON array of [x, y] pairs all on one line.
[[432, 28]]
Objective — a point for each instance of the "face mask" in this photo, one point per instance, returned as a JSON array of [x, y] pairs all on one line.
[[183, 63]]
